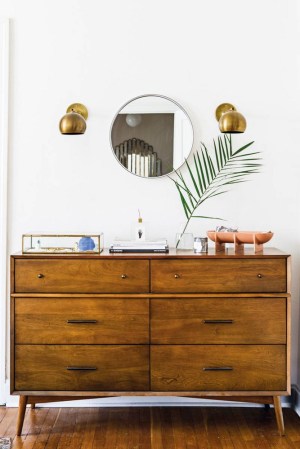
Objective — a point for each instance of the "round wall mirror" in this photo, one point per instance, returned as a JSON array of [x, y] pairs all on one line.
[[151, 135]]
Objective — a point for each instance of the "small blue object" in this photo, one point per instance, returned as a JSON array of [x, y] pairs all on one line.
[[86, 244]]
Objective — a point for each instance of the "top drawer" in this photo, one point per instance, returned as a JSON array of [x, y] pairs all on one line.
[[81, 276], [218, 276]]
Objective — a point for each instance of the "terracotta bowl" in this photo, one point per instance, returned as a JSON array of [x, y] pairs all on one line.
[[241, 236]]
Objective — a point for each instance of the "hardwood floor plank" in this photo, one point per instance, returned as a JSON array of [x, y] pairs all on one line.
[[156, 433], [10, 417], [212, 435], [292, 425], [167, 428], [233, 426], [144, 428], [69, 421], [245, 430], [89, 434], [45, 429], [222, 429], [199, 418], [2, 412], [57, 429], [178, 425]]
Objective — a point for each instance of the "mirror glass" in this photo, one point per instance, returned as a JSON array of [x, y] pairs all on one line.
[[151, 135]]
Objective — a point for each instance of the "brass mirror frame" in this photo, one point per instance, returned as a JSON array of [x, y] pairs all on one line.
[[136, 98]]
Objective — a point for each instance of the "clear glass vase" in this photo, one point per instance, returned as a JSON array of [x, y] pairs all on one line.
[[184, 241]]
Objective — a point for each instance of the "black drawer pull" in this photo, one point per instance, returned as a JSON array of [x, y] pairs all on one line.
[[259, 275], [81, 368], [217, 368], [82, 321], [40, 275], [218, 321]]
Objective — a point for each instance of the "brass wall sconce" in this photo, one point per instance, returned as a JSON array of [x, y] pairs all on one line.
[[74, 121], [230, 120]]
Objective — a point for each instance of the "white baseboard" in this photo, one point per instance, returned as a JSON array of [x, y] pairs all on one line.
[[296, 399]]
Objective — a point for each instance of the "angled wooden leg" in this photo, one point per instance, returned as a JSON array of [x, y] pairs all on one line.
[[32, 406], [22, 408], [279, 416]]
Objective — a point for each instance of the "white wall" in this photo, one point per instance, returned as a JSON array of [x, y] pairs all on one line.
[[200, 53]]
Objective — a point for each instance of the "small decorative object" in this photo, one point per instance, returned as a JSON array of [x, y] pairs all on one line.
[[62, 244], [200, 245], [211, 177], [86, 244], [239, 239], [140, 230], [184, 241], [5, 443]]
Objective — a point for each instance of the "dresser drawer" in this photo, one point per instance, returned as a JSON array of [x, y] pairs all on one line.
[[218, 276], [81, 321], [218, 321], [81, 276], [81, 368], [218, 368]]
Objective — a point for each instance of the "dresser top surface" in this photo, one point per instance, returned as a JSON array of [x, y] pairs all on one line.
[[173, 254]]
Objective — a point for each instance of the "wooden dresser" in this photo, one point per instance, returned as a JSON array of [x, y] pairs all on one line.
[[180, 324]]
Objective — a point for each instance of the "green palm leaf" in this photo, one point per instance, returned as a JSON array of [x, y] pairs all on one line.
[[209, 177]]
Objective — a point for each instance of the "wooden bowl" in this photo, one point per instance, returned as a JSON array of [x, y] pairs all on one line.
[[241, 236]]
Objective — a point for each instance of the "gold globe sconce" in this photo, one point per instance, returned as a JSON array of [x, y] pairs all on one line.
[[230, 120], [74, 121]]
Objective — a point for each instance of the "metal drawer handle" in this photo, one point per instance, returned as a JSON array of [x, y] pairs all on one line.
[[218, 321], [218, 368], [259, 275], [82, 321], [81, 368], [176, 276], [123, 276], [40, 275]]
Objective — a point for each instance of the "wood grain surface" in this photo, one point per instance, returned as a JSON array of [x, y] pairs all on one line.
[[81, 321], [218, 367], [45, 367], [218, 276], [218, 321], [151, 428], [81, 276]]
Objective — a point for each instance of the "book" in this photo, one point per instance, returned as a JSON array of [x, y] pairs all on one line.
[[139, 250], [132, 244], [122, 246]]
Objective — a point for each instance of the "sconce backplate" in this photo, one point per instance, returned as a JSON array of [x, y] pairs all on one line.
[[222, 108], [79, 108]]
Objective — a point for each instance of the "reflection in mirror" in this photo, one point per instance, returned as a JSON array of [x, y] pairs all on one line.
[[151, 136]]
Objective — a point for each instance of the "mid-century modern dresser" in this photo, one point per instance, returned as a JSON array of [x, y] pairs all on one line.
[[211, 325]]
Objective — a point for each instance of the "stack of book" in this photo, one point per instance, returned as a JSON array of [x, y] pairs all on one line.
[[127, 246]]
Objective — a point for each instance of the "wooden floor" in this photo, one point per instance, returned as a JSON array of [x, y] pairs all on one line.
[[151, 428]]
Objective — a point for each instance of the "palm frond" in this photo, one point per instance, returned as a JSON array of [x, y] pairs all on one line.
[[208, 176]]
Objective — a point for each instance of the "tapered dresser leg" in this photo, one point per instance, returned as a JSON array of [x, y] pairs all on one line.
[[22, 408], [279, 416], [32, 406]]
